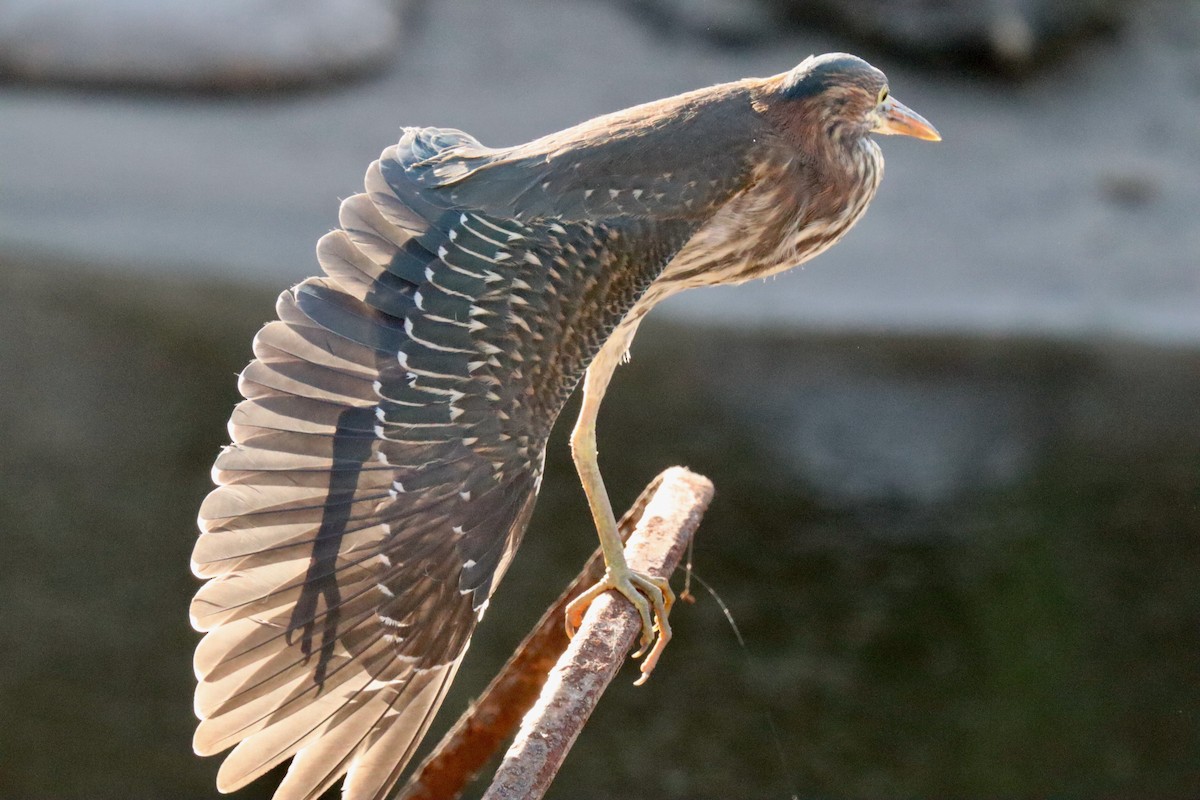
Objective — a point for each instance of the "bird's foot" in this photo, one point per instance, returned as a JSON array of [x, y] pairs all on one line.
[[652, 597]]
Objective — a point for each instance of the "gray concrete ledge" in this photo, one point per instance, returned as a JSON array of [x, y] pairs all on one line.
[[1065, 206]]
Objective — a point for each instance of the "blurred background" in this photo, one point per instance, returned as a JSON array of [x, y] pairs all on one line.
[[957, 457]]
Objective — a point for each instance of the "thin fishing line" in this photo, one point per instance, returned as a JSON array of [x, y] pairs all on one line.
[[788, 778]]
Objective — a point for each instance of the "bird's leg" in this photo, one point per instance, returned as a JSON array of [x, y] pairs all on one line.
[[652, 597]]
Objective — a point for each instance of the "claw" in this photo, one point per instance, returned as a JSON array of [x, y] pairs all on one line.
[[652, 597]]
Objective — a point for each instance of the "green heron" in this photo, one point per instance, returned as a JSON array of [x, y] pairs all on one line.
[[387, 455]]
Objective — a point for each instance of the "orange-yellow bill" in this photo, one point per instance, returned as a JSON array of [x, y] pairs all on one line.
[[900, 119]]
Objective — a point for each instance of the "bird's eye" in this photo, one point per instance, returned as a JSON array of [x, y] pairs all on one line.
[[883, 95]]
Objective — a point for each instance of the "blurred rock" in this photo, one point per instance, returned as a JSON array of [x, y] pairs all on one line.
[[718, 22], [1130, 188], [1011, 35], [212, 45]]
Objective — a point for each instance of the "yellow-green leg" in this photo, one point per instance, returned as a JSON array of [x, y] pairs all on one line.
[[652, 597]]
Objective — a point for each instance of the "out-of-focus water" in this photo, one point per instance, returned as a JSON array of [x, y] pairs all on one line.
[[961, 567]]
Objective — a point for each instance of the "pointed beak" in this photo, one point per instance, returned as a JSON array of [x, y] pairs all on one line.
[[895, 117]]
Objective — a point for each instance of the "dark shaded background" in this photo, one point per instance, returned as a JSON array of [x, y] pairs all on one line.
[[963, 560]]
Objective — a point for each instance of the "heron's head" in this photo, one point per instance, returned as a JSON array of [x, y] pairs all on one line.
[[843, 97]]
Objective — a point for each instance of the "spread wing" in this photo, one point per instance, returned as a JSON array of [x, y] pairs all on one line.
[[386, 458]]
